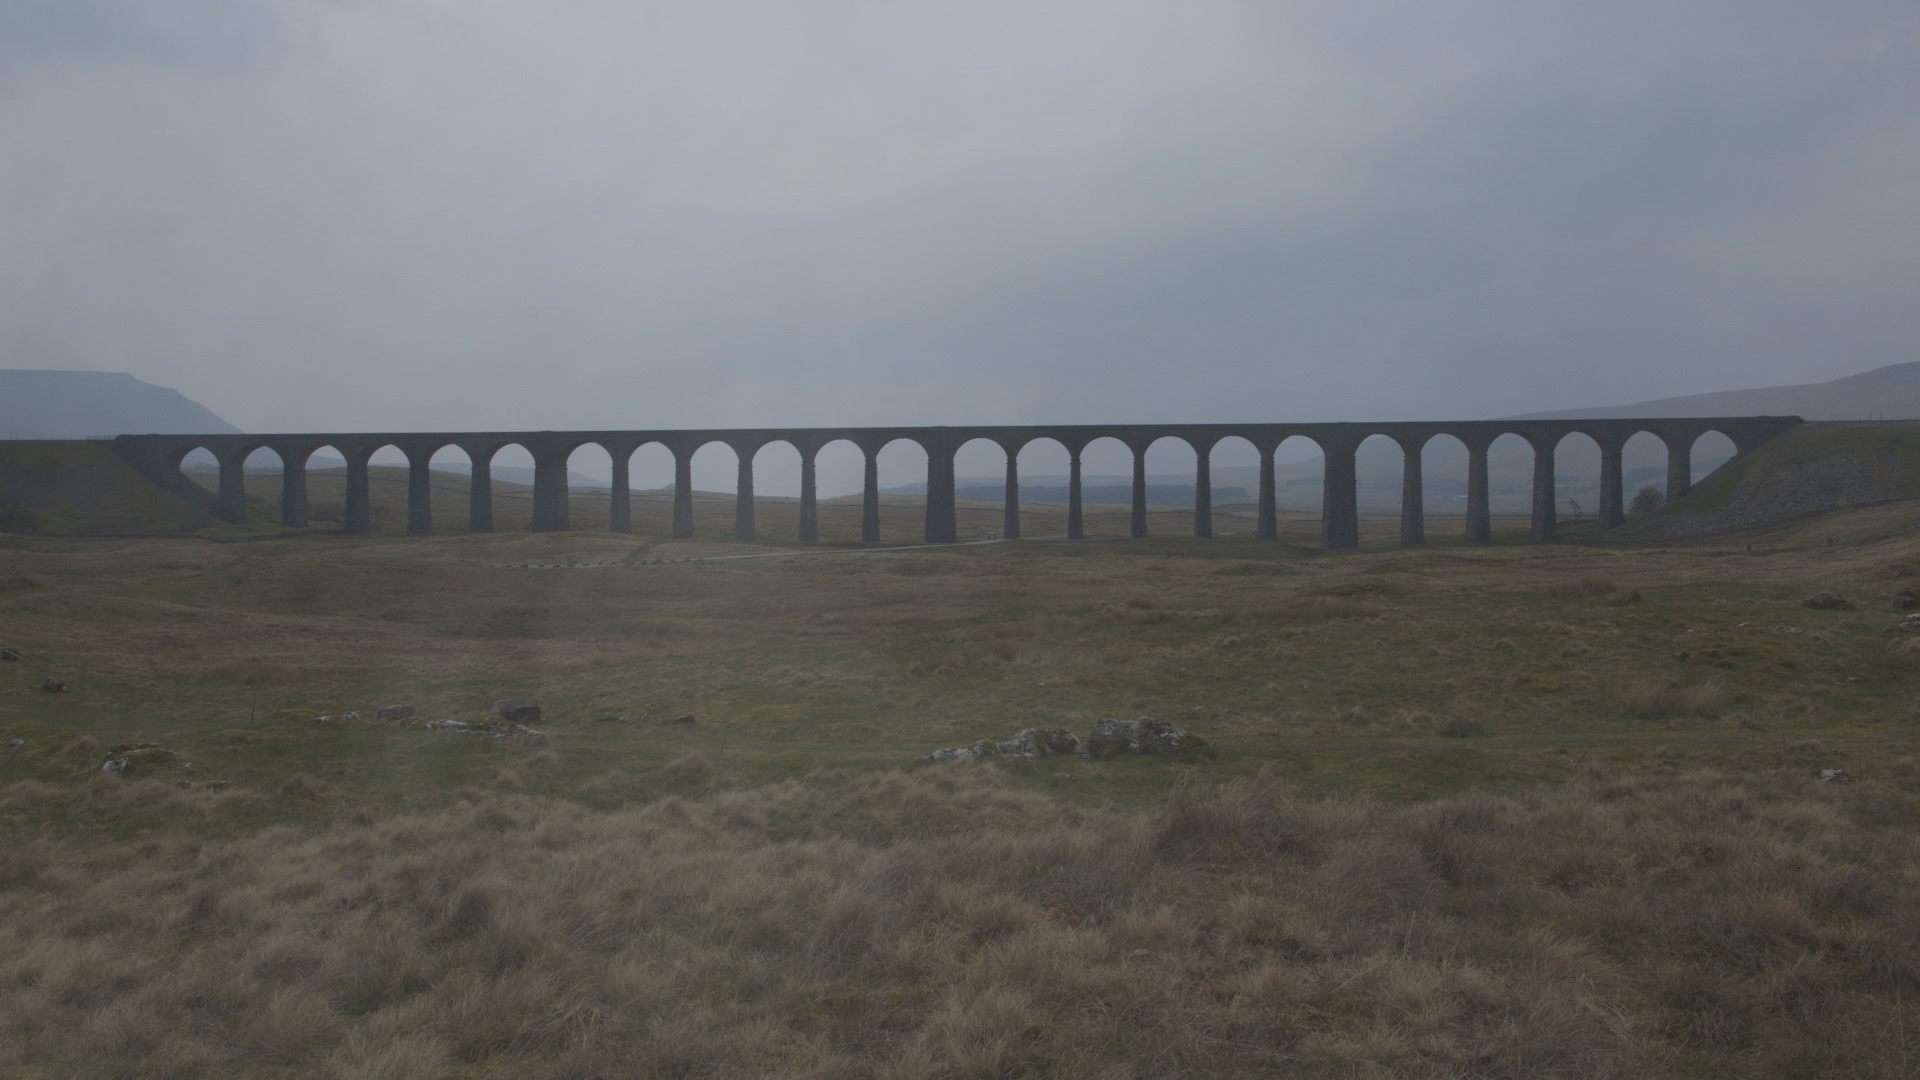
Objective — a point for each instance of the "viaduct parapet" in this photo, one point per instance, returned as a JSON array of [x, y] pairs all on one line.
[[160, 457]]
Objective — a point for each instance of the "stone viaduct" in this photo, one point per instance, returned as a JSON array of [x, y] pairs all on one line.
[[159, 456]]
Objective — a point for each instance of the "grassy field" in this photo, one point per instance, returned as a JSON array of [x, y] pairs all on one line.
[[1506, 810]]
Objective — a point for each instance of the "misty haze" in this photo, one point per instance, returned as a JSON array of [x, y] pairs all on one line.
[[1120, 541]]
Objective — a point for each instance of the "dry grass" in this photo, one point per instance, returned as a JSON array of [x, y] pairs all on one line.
[[1465, 858], [947, 923], [256, 673], [1657, 700]]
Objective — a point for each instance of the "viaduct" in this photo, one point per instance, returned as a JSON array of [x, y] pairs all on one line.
[[159, 456]]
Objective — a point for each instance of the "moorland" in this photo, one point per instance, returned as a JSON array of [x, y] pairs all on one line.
[[1507, 810]]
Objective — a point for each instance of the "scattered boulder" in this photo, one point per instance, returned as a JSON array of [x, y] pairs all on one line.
[[1909, 622], [1826, 601], [1044, 742], [341, 718], [54, 686], [395, 713], [498, 730], [1835, 776], [1143, 736], [985, 748], [10, 654], [130, 761], [1109, 737], [613, 718], [514, 711], [683, 718]]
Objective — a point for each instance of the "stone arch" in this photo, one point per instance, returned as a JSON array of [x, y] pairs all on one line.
[[1206, 488], [1711, 448], [591, 459], [840, 466], [498, 491], [701, 463], [1446, 461], [1576, 482], [373, 503], [976, 451], [249, 458], [1043, 455]]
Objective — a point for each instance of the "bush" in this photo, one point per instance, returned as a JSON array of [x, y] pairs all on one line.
[[1647, 500]]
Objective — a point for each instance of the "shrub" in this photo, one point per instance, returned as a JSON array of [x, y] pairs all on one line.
[[1647, 500]]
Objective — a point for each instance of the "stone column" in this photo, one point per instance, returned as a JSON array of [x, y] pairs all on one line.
[[620, 499], [1139, 530], [420, 492], [942, 526], [683, 491], [1203, 491], [293, 488], [1612, 510], [1413, 507], [1010, 520], [1479, 516], [870, 499], [549, 490], [1269, 509], [1544, 519], [1076, 521], [359, 500], [1339, 502], [233, 487], [480, 490], [743, 496], [809, 497], [1679, 466]]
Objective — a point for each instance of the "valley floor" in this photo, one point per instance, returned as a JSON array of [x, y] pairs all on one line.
[[1512, 810]]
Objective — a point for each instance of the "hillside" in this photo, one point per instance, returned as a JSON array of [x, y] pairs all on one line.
[[85, 489], [85, 404], [1813, 469], [1888, 393]]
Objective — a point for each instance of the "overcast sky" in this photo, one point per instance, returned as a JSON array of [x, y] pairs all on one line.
[[475, 214]]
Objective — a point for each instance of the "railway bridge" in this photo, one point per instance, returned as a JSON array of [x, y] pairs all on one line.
[[160, 457]]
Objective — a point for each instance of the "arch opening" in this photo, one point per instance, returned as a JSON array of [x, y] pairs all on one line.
[[1045, 474], [650, 489], [589, 491], [1643, 476], [839, 471]]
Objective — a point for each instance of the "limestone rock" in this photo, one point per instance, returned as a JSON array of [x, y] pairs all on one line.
[[985, 748], [54, 686], [1910, 622], [612, 718], [683, 718], [340, 718], [498, 730], [514, 711], [1109, 737], [1826, 601], [395, 713], [1044, 742], [1143, 736], [130, 761]]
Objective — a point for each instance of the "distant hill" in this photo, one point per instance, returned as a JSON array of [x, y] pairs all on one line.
[[1888, 393], [83, 404]]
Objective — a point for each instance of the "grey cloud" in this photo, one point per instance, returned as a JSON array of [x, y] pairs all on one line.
[[487, 214]]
